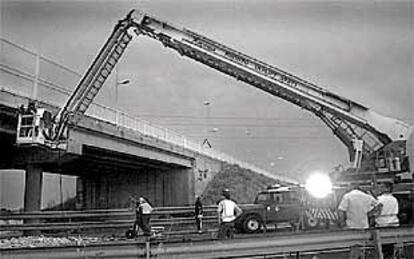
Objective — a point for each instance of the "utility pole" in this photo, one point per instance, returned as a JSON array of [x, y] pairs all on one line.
[[206, 142], [118, 83]]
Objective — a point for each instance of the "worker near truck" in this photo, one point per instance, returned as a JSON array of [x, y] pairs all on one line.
[[354, 208], [388, 216], [227, 211], [198, 209]]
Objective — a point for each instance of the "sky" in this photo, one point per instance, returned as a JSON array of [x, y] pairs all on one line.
[[362, 50]]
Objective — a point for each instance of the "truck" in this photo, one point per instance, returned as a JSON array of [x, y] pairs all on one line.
[[379, 147], [294, 207], [290, 206]]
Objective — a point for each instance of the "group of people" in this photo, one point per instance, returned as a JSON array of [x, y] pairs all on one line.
[[360, 210], [357, 207], [227, 211], [354, 211]]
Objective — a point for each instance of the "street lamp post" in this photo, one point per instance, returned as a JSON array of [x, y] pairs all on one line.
[[206, 142], [118, 83]]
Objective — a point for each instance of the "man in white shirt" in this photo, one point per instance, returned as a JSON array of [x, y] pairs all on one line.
[[354, 207], [144, 210], [388, 216], [227, 211]]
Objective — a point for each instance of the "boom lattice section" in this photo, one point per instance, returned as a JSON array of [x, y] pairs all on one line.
[[90, 84]]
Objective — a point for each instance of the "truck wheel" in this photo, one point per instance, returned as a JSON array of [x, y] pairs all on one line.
[[311, 222], [252, 224], [130, 233]]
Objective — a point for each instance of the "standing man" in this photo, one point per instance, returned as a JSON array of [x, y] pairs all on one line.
[[354, 208], [388, 216], [198, 207], [144, 210], [228, 211]]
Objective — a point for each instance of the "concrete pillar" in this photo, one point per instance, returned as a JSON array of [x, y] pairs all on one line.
[[168, 189], [182, 181], [191, 188], [80, 193], [33, 188], [88, 191], [33, 193], [410, 152]]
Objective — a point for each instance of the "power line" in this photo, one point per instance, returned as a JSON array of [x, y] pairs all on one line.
[[265, 137], [243, 125], [224, 117], [235, 117]]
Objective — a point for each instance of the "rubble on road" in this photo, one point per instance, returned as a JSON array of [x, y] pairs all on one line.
[[43, 241]]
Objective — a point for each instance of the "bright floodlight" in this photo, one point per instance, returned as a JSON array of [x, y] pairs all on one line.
[[319, 185]]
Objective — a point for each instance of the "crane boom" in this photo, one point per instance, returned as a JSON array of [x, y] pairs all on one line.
[[348, 120], [90, 84]]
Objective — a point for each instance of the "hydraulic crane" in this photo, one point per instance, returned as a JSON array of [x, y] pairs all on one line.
[[363, 131]]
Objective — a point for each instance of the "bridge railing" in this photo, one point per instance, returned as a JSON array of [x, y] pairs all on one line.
[[31, 75]]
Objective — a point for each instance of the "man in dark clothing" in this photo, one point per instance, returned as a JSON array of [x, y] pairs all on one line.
[[198, 206]]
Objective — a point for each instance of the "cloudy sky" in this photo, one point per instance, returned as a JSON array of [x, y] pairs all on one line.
[[362, 50]]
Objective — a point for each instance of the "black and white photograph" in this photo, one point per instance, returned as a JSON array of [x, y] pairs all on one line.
[[207, 129]]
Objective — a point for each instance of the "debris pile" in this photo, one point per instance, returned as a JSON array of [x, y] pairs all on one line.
[[42, 241]]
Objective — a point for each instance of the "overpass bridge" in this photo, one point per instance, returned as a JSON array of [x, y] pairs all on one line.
[[113, 153]]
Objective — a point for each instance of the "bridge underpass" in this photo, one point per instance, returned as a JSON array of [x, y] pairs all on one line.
[[113, 154], [112, 163]]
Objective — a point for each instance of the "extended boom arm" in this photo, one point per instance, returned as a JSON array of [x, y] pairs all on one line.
[[360, 129], [90, 84], [350, 122]]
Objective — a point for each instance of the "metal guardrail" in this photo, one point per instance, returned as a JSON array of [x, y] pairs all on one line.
[[112, 218], [284, 246], [168, 217], [287, 244], [26, 73]]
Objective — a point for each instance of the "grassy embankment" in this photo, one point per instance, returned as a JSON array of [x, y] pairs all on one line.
[[242, 183]]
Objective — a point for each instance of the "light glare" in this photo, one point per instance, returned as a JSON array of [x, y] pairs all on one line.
[[319, 185]]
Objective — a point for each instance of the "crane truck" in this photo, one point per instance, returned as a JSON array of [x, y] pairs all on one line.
[[379, 147]]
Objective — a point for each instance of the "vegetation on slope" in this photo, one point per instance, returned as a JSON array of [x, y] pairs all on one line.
[[242, 183]]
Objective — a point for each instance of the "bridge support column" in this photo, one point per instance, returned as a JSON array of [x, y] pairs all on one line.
[[80, 193], [33, 193], [183, 187]]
